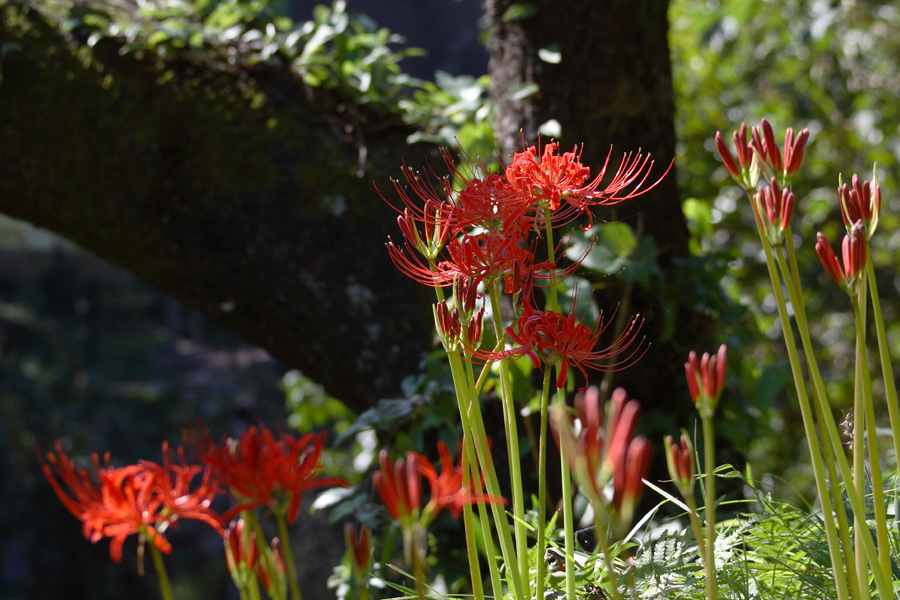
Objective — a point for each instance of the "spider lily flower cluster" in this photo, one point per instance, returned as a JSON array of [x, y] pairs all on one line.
[[479, 234], [146, 499]]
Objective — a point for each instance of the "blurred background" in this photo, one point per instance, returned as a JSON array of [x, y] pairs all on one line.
[[92, 355]]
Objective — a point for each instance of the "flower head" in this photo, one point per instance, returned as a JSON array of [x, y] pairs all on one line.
[[448, 489], [774, 207], [680, 461], [562, 184], [144, 499], [706, 379], [261, 470], [853, 251], [860, 201], [605, 451], [551, 338]]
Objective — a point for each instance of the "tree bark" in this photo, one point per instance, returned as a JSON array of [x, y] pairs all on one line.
[[238, 192]]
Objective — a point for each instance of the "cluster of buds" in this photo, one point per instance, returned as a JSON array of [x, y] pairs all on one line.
[[359, 546], [762, 155], [774, 208], [706, 380], [860, 201], [853, 254], [602, 453], [400, 486], [249, 562], [680, 461], [461, 326]]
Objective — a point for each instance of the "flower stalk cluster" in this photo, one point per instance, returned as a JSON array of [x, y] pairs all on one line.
[[854, 562]]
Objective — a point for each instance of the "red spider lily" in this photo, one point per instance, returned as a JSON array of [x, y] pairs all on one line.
[[447, 488], [706, 379], [551, 338], [601, 453], [554, 179], [860, 201], [460, 201], [263, 471], [399, 486], [485, 257], [853, 254], [144, 499], [680, 461], [775, 207]]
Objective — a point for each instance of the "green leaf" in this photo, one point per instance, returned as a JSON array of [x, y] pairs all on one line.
[[519, 11]]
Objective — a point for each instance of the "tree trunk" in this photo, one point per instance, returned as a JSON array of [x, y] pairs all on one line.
[[603, 72], [237, 192]]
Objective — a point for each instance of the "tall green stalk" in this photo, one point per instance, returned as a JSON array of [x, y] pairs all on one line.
[[709, 483], [542, 486], [293, 582], [165, 588], [512, 447]]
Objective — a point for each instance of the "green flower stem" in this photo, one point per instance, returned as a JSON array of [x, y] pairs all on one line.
[[709, 483], [601, 533], [164, 587], [418, 569], [476, 479], [293, 583], [834, 548], [890, 387], [878, 507], [823, 416], [542, 487], [568, 518], [512, 447], [698, 535], [470, 413], [471, 545], [819, 395]]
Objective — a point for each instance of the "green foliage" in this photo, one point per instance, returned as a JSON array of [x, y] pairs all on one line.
[[335, 50]]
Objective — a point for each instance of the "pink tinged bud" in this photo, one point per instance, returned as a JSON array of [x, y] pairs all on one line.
[[757, 144], [475, 329], [721, 356], [623, 429], [772, 148], [691, 371], [794, 150], [745, 155], [360, 547], [828, 259], [409, 230], [680, 461], [628, 482], [854, 251], [726, 157]]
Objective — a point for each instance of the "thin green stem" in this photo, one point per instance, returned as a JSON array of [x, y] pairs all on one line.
[[601, 533], [470, 411], [568, 518], [709, 483], [542, 486], [165, 588], [293, 582], [819, 395], [792, 281], [698, 533], [878, 505], [809, 429], [887, 372], [512, 446]]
